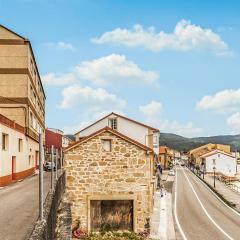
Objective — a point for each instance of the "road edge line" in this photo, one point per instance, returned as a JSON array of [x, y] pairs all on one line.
[[204, 209], [215, 194]]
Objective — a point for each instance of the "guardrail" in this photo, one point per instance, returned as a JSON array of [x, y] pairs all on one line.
[[45, 230], [233, 187]]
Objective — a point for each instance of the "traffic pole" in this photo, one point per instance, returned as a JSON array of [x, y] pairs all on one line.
[[52, 162], [41, 157]]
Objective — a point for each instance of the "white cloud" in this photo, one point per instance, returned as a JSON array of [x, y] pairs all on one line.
[[92, 100], [103, 71], [234, 122], [152, 109], [153, 115], [58, 79], [184, 129], [226, 101], [61, 45], [185, 37]]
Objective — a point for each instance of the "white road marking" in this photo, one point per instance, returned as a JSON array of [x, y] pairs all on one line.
[[175, 211], [204, 209], [218, 197]]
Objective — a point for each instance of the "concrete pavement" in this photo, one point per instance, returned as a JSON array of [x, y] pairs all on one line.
[[19, 207], [162, 225], [226, 192], [199, 214]]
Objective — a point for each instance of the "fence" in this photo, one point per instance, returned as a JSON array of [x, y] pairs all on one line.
[[234, 187], [45, 230]]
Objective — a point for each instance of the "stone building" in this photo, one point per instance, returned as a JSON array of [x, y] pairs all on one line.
[[138, 131], [22, 99], [110, 181]]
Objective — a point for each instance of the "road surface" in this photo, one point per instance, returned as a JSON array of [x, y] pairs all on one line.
[[199, 214], [19, 207]]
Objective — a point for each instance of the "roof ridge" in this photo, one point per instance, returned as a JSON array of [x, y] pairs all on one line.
[[118, 115], [113, 132]]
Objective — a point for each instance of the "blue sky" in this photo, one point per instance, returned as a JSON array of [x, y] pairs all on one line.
[[172, 64]]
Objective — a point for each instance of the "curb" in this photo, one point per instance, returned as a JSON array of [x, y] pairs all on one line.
[[220, 196]]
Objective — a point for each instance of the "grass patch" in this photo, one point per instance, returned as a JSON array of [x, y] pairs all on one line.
[[114, 236]]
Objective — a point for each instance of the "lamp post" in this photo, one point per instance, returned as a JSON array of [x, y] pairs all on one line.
[[214, 176], [202, 169]]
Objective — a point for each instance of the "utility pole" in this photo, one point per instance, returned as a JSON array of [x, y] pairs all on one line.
[[41, 157], [56, 160], [52, 168]]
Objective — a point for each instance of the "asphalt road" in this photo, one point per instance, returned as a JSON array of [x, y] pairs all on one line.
[[19, 208], [199, 214]]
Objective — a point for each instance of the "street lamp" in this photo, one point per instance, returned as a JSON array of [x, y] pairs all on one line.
[[202, 168], [214, 176]]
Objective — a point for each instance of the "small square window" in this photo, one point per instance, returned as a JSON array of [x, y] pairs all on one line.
[[113, 123], [107, 145]]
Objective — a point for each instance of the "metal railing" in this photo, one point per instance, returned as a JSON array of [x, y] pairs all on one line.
[[233, 187]]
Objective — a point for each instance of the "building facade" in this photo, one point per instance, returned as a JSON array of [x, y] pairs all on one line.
[[195, 154], [22, 98], [140, 132], [110, 181], [18, 154], [166, 157], [223, 162]]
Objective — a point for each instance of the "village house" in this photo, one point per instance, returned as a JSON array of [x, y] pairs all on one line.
[[55, 141], [224, 163], [140, 132], [166, 157], [110, 180], [22, 107], [196, 153]]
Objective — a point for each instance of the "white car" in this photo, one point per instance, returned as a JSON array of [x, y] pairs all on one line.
[[171, 173]]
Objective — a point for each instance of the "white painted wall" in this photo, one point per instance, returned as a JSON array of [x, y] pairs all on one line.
[[126, 127], [22, 158], [224, 164]]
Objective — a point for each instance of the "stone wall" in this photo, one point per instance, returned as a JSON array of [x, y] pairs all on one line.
[[123, 173]]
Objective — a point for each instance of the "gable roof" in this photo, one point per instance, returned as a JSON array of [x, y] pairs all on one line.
[[11, 31], [114, 132], [215, 151], [30, 46], [118, 115]]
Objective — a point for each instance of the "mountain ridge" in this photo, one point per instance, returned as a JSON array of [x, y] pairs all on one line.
[[185, 144]]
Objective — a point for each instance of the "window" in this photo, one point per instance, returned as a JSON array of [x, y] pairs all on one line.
[[29, 160], [31, 119], [155, 139], [107, 145], [34, 98], [113, 123], [214, 162], [34, 75], [20, 145], [4, 141]]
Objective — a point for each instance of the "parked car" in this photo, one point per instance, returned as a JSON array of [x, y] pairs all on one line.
[[171, 173], [48, 166]]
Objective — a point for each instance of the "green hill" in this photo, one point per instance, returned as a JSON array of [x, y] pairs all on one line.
[[185, 144]]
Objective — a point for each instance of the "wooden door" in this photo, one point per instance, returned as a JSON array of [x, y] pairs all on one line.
[[13, 167]]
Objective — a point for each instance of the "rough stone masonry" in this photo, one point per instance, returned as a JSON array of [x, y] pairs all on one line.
[[124, 173]]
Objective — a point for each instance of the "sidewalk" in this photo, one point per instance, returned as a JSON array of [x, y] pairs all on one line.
[[226, 192], [162, 226]]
